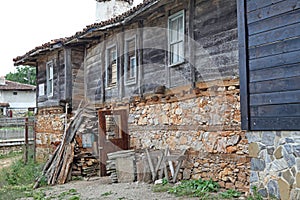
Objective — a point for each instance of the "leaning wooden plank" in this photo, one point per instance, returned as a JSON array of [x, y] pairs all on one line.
[[170, 163], [69, 164], [151, 165]]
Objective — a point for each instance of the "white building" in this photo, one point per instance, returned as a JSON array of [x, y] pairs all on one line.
[[16, 97], [107, 9]]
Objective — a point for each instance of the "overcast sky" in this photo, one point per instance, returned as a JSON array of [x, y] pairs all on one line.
[[26, 24]]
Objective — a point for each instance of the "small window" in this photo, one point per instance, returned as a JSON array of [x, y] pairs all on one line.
[[50, 79], [130, 61], [15, 93], [176, 38], [111, 67]]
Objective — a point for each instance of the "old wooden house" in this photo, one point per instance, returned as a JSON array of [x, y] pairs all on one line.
[[269, 33], [164, 73]]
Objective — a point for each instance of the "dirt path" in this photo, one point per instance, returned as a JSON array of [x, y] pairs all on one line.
[[101, 188]]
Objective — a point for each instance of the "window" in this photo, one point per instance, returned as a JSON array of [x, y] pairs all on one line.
[[176, 38], [15, 93], [49, 79], [111, 67], [130, 61]]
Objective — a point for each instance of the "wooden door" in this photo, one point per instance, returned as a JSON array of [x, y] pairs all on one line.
[[113, 134]]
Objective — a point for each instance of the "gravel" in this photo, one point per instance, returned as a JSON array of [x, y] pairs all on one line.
[[101, 188]]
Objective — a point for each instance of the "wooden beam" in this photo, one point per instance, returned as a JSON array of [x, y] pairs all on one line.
[[243, 63], [140, 57], [68, 74], [191, 41]]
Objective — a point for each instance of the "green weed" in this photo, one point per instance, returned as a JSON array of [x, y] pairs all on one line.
[[229, 194], [107, 193], [255, 195], [195, 188]]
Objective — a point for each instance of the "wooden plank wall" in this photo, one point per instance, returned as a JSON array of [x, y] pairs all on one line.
[[215, 54], [57, 57], [273, 34]]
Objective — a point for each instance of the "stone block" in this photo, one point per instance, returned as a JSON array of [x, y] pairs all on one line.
[[287, 175], [284, 189], [268, 138], [295, 194], [253, 137], [278, 153], [254, 177], [279, 165], [253, 149], [125, 169], [257, 164], [296, 150], [289, 158], [298, 180], [273, 188]]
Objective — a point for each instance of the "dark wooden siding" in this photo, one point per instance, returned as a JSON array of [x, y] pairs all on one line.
[[211, 49], [272, 63], [215, 30], [57, 57]]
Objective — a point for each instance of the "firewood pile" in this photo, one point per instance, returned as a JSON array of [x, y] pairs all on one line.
[[58, 167], [85, 164]]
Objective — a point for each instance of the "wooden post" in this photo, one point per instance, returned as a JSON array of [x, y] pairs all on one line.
[[26, 141]]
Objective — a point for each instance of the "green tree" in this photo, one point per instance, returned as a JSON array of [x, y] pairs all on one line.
[[24, 74]]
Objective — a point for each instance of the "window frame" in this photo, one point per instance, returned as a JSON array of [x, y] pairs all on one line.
[[181, 40], [131, 80], [107, 64], [50, 76]]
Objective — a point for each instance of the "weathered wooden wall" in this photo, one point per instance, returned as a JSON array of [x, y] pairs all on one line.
[[57, 57], [210, 49], [273, 57]]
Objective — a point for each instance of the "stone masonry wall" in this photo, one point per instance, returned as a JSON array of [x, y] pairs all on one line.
[[275, 163], [49, 130], [207, 125]]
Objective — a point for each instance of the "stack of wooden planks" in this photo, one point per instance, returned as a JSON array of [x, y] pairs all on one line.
[[85, 165], [58, 167]]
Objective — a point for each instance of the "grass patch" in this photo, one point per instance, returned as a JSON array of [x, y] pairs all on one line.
[[17, 180], [195, 188], [11, 154], [204, 189], [229, 194]]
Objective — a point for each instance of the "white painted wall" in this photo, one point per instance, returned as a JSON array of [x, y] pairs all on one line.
[[23, 99], [109, 9]]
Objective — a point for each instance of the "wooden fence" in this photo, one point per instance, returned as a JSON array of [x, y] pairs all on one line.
[[16, 132]]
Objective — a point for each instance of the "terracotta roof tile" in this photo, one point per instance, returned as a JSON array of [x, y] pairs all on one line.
[[11, 85]]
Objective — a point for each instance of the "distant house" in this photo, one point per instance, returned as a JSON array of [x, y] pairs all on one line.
[[16, 98]]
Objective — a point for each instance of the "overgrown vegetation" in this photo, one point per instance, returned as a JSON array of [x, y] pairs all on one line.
[[204, 189], [17, 180], [255, 195], [11, 154]]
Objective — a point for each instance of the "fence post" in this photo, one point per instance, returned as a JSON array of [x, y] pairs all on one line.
[[26, 141]]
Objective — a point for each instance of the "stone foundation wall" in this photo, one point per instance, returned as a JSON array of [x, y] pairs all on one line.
[[207, 125], [275, 163], [49, 131]]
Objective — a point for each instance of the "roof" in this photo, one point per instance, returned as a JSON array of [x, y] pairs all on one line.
[[11, 85], [4, 105], [100, 26]]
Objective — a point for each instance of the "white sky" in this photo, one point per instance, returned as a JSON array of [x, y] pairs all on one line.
[[26, 24]]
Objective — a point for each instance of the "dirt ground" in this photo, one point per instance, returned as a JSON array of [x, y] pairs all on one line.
[[102, 188]]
